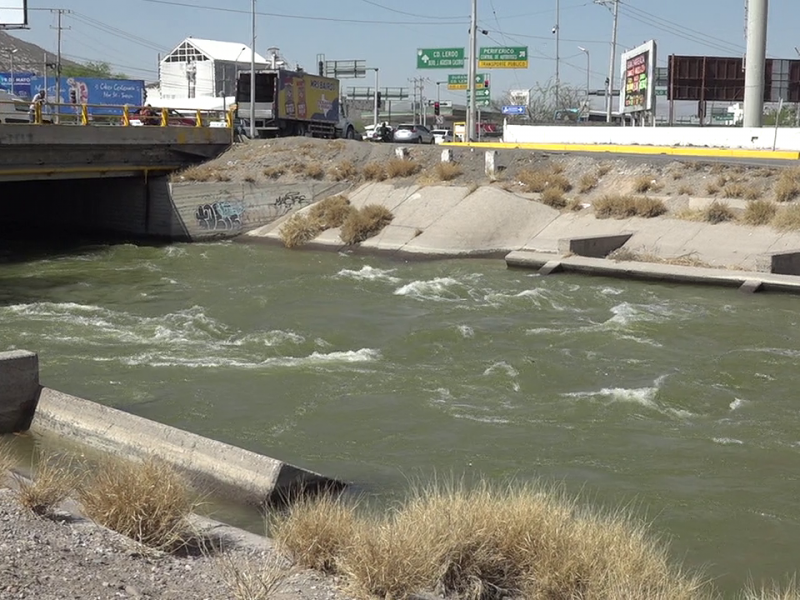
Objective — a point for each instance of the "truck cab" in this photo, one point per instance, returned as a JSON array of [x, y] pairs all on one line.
[[13, 109]]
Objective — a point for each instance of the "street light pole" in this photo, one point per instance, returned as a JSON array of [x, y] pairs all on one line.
[[473, 51], [253, 75], [757, 11], [375, 107], [557, 31], [11, 53], [588, 69], [612, 63]]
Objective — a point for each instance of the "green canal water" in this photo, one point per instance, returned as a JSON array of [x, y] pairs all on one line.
[[679, 401]]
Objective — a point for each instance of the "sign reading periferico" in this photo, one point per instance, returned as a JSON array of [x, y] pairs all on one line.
[[440, 58], [503, 57]]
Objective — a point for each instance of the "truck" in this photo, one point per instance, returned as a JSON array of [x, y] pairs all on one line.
[[291, 103]]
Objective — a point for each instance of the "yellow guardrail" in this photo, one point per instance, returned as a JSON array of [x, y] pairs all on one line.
[[18, 112]]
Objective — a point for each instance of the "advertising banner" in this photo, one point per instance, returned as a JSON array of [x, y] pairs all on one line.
[[84, 90], [22, 83], [14, 14], [308, 97], [638, 78]]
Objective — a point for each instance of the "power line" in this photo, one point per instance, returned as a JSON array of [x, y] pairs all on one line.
[[402, 12], [116, 32]]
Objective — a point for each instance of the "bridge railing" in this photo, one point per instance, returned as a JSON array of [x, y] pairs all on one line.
[[112, 115]]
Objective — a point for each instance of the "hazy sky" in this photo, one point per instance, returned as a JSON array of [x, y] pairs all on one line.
[[386, 33]]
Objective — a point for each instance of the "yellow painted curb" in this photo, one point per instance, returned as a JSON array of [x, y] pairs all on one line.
[[685, 151]]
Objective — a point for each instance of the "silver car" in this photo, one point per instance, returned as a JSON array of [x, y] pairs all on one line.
[[413, 134]]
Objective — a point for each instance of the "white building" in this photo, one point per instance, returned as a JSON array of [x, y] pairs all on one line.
[[201, 68]]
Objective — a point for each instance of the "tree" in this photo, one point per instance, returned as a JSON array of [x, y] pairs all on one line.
[[543, 103], [92, 69]]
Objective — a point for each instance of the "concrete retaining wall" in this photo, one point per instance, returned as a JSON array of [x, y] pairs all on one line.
[[221, 468], [19, 389], [712, 137]]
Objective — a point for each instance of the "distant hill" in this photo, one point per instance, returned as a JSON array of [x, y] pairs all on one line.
[[29, 57]]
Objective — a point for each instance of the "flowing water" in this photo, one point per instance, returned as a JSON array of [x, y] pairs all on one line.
[[681, 401]]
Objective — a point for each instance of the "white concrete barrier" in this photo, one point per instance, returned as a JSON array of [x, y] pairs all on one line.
[[712, 137]]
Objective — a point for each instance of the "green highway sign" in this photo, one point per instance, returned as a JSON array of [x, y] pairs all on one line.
[[461, 82], [503, 57], [440, 58], [482, 93], [480, 101], [661, 91]]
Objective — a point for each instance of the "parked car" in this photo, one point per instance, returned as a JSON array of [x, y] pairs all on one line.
[[413, 134], [442, 136]]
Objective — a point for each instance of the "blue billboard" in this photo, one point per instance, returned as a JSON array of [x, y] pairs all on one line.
[[84, 90], [22, 83]]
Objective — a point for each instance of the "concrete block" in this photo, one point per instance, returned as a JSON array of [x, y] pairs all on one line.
[[751, 286], [551, 267], [782, 263], [447, 155], [401, 152], [19, 389], [491, 163], [216, 467], [596, 246]]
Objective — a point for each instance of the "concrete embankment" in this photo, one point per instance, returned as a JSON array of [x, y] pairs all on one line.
[[456, 221], [223, 469]]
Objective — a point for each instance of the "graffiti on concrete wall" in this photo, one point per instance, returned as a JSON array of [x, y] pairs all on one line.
[[220, 216]]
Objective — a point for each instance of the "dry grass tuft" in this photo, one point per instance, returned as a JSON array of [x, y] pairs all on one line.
[[401, 167], [773, 592], [718, 212], [330, 212], [575, 205], [624, 207], [274, 172], [712, 189], [7, 460], [447, 171], [689, 214], [365, 223], [787, 188], [685, 260], [538, 180], [685, 190], [374, 171], [299, 229], [473, 187], [787, 218], [737, 189], [759, 212], [345, 170], [487, 543], [646, 183], [554, 198], [204, 173], [587, 183], [603, 169], [54, 478], [148, 501], [314, 171], [249, 579]]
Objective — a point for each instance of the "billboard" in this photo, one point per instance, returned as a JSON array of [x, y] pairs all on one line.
[[308, 97], [84, 90], [22, 83], [13, 14], [638, 79]]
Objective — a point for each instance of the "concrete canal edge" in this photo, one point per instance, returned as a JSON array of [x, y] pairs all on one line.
[[216, 467]]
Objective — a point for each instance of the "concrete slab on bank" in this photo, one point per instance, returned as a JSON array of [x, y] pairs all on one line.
[[654, 272]]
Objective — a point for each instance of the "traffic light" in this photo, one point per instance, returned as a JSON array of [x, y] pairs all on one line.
[[380, 101], [486, 83], [436, 109]]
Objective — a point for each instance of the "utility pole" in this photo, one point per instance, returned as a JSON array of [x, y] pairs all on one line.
[[757, 16], [253, 73], [375, 106], [471, 71], [60, 12], [557, 32], [588, 71]]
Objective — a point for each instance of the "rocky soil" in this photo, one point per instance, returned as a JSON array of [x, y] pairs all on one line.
[[68, 557], [290, 160]]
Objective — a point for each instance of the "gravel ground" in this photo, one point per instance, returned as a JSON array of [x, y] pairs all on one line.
[[68, 557], [285, 161]]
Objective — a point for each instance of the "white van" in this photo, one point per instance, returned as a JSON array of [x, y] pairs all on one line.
[[13, 109]]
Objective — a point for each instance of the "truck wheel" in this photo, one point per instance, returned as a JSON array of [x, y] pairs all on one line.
[[351, 133]]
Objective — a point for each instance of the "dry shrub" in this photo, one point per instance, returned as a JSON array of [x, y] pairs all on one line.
[[689, 214], [345, 170], [556, 167], [624, 207], [401, 167], [248, 578], [54, 478], [315, 530], [274, 172], [7, 460], [712, 189], [148, 501], [538, 180], [297, 168], [759, 212], [684, 260], [737, 189], [587, 183], [787, 218], [645, 183], [249, 179], [204, 173], [787, 188], [773, 591], [574, 205], [554, 197], [330, 212], [486, 542], [365, 223], [314, 171], [298, 230], [685, 190], [374, 171], [603, 169], [676, 175], [718, 212], [447, 171]]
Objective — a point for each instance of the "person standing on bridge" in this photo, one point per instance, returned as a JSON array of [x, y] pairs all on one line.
[[37, 104]]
